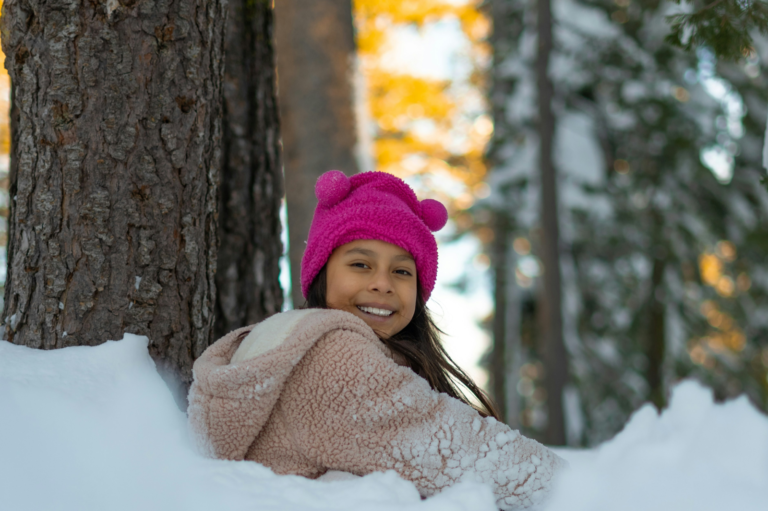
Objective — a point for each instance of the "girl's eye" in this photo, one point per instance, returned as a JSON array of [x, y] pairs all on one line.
[[360, 265], [403, 272]]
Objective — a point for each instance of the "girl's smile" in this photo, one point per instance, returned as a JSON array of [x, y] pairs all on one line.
[[375, 281]]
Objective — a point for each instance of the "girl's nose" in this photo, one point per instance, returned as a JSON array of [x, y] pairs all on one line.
[[381, 282]]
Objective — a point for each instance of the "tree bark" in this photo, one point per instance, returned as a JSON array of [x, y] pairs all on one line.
[[247, 279], [315, 56], [554, 355], [115, 166]]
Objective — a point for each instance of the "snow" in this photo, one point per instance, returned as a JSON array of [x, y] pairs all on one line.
[[577, 153], [695, 456], [95, 428]]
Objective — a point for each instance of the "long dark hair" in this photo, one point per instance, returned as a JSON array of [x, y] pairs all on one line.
[[419, 345]]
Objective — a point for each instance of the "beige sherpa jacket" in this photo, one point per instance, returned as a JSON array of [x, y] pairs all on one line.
[[311, 391]]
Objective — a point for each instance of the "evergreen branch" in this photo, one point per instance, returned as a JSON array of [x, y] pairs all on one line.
[[710, 6], [723, 25]]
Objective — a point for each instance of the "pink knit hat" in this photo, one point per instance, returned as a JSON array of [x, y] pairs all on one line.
[[372, 206]]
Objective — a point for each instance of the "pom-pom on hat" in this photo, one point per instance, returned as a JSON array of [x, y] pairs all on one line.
[[372, 206]]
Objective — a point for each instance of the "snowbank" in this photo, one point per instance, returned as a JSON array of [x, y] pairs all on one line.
[[696, 455], [96, 429]]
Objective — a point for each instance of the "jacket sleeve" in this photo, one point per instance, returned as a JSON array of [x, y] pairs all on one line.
[[359, 412]]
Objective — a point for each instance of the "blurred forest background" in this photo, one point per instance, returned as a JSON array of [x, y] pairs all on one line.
[[603, 184]]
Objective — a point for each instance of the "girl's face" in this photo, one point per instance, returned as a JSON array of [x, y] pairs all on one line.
[[375, 281]]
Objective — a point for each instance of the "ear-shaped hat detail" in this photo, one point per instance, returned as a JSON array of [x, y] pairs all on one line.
[[331, 188], [434, 214]]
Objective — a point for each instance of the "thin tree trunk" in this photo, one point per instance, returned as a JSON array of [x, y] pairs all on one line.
[[498, 366], [513, 343], [656, 342], [555, 360], [114, 174], [315, 50], [507, 350], [247, 280], [507, 353]]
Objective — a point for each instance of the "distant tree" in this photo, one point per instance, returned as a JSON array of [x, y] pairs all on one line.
[[659, 255], [730, 36], [747, 305], [315, 64], [247, 283], [553, 348], [683, 239], [504, 359]]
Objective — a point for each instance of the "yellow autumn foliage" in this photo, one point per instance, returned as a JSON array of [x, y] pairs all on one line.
[[5, 107], [728, 337], [5, 142], [408, 153], [417, 118], [417, 12], [376, 16], [396, 95], [711, 268]]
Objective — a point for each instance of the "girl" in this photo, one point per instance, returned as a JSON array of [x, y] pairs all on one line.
[[358, 382]]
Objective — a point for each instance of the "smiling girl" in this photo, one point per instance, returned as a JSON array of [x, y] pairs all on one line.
[[358, 382]]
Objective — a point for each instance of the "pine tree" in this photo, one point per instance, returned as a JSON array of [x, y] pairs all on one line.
[[747, 82], [640, 213]]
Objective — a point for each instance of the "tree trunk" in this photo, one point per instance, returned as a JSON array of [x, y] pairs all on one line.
[[554, 355], [655, 343], [115, 166], [315, 56], [498, 366], [507, 353], [507, 350], [247, 280], [513, 344]]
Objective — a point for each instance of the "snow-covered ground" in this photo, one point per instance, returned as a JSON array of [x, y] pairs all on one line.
[[96, 429], [696, 456]]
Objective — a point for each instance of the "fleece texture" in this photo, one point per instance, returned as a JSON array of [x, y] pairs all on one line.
[[326, 395], [377, 206]]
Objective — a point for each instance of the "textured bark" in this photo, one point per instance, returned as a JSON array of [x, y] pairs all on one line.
[[247, 280], [115, 163], [315, 55], [554, 355]]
